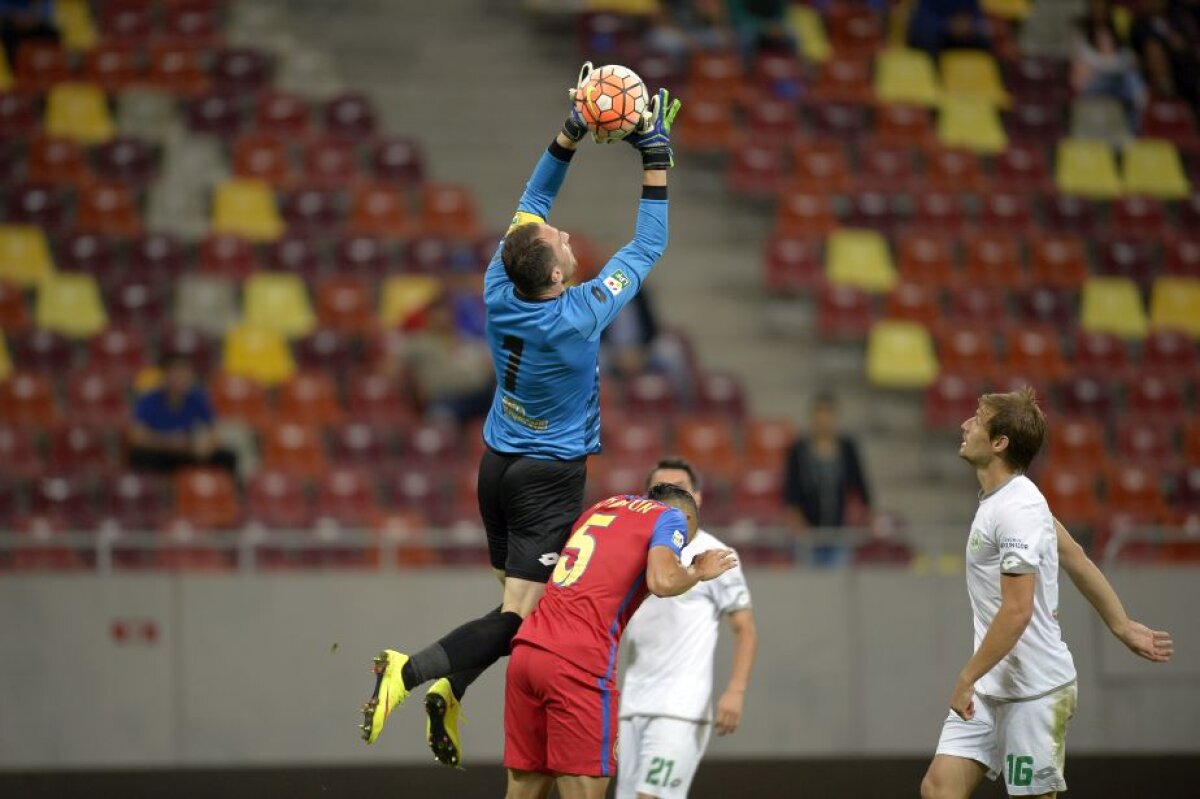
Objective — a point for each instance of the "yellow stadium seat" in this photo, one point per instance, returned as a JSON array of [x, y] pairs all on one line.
[[24, 255], [6, 76], [1113, 305], [1087, 168], [631, 7], [69, 303], [973, 73], [809, 31], [247, 208], [258, 353], [405, 295], [1175, 304], [280, 302], [78, 111], [76, 24], [1152, 167], [906, 76], [900, 355], [860, 258], [971, 123], [1006, 9], [5, 360]]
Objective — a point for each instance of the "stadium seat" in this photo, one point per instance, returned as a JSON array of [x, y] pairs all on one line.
[[346, 497], [58, 161], [860, 259], [416, 491], [756, 169], [1172, 120], [885, 167], [1189, 212], [282, 113], [79, 450], [379, 210], [125, 159], [399, 162], [277, 500], [434, 255], [136, 302], [1086, 169], [807, 28], [207, 498], [907, 76], [757, 497], [41, 65], [1133, 258], [362, 256], [43, 351], [843, 313], [228, 256], [1071, 494], [1169, 353], [295, 449], [845, 121], [1134, 491], [69, 303], [78, 111], [246, 208], [109, 209], [1034, 352], [96, 396], [1152, 167], [804, 214], [1158, 397], [1021, 167], [1102, 355], [1077, 445], [295, 255], [259, 353], [14, 313], [1099, 118], [240, 70], [708, 444], [241, 399], [1006, 212], [38, 204], [900, 355], [1147, 442], [90, 253], [1045, 305], [344, 304], [1182, 257], [260, 156], [842, 80], [326, 350], [351, 116], [187, 343], [971, 123], [1175, 305], [1191, 442], [994, 260], [1113, 305], [360, 445], [1067, 214], [6, 364], [63, 499], [1057, 260], [309, 398], [853, 29], [194, 22], [950, 400], [875, 211], [1038, 79], [206, 303], [771, 121], [793, 264], [19, 113], [1138, 216], [215, 115], [278, 302], [1088, 395], [635, 441], [309, 210], [972, 74], [404, 296], [376, 399], [913, 302], [19, 452], [926, 258], [130, 23], [967, 351], [330, 162], [112, 67], [954, 171], [821, 166], [720, 395], [650, 395], [767, 441]]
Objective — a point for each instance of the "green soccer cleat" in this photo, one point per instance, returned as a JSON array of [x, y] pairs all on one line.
[[389, 693], [442, 710]]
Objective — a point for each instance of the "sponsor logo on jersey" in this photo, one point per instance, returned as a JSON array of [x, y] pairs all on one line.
[[548, 559], [976, 541], [617, 282], [1013, 543], [1011, 563], [599, 295], [677, 538]]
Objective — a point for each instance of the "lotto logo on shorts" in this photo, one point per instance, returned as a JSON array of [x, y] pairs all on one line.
[[548, 559]]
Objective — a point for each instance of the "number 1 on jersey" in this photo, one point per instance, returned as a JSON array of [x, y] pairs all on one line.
[[514, 346], [577, 554]]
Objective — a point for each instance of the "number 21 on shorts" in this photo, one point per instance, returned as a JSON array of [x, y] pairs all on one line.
[[577, 554]]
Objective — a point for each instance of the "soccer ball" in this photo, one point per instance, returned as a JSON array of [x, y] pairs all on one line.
[[612, 102]]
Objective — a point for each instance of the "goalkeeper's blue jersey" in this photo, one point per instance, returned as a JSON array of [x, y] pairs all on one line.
[[546, 352]]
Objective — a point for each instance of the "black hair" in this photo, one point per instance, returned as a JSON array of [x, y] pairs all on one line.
[[528, 259], [676, 462], [676, 497]]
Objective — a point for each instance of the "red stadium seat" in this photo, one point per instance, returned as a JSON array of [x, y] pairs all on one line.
[[1057, 260], [843, 121], [379, 210], [417, 491], [967, 351], [14, 312], [1088, 395], [160, 254], [433, 445], [1138, 217], [1191, 442], [192, 23], [1183, 257], [43, 351], [977, 305], [1006, 212], [57, 161], [448, 210], [1077, 444], [951, 400], [635, 440], [905, 125], [854, 29], [1065, 213], [228, 255], [240, 70], [885, 167], [345, 304], [1035, 79], [132, 501], [362, 256], [282, 114], [351, 116], [708, 444], [326, 350], [261, 156], [1022, 168], [994, 260], [295, 253], [711, 127], [1157, 397], [1043, 305], [1034, 351], [41, 64], [207, 498], [117, 351], [804, 214], [1072, 498], [716, 73], [875, 210], [112, 67], [214, 114], [179, 70], [821, 166], [398, 161], [720, 394], [843, 80], [108, 208], [294, 448], [362, 446], [240, 398], [938, 212], [1100, 355], [1169, 354], [1035, 124], [127, 21], [955, 171], [346, 497], [1188, 210], [377, 399], [19, 113], [916, 302], [39, 204], [843, 313], [650, 395], [309, 398], [125, 159], [793, 264], [96, 396], [756, 169], [1147, 442], [310, 210], [331, 162], [766, 441], [1135, 492], [278, 500], [19, 451], [28, 399], [137, 303], [758, 496], [925, 258], [771, 121], [63, 498], [187, 343], [1168, 119]]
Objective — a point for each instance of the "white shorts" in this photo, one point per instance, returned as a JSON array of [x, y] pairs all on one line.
[[1025, 741], [659, 756]]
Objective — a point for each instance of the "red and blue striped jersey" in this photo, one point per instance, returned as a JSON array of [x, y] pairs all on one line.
[[600, 580]]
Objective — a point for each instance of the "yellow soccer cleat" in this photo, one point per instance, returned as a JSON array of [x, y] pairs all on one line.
[[389, 693], [442, 710]]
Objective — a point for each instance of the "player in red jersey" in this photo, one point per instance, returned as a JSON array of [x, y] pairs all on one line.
[[561, 699]]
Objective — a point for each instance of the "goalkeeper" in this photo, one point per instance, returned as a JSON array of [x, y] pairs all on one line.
[[545, 416]]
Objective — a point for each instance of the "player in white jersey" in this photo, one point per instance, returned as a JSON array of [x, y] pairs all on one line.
[[1013, 699], [666, 713]]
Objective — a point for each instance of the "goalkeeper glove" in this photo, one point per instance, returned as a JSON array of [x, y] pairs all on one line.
[[575, 128], [653, 136]]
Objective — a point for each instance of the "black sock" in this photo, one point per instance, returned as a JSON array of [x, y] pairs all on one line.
[[475, 645], [461, 680]]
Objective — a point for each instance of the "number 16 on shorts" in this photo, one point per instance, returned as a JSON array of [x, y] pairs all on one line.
[[1018, 770]]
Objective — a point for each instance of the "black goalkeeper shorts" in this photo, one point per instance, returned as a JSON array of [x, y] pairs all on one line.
[[528, 506]]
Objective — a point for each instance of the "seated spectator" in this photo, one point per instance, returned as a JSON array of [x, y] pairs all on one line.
[[1102, 64], [172, 426], [937, 25], [451, 373], [821, 474], [680, 26], [1166, 38]]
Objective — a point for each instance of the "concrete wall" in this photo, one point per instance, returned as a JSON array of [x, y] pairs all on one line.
[[197, 670]]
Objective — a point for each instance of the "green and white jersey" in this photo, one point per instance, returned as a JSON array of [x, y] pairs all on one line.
[[1013, 533]]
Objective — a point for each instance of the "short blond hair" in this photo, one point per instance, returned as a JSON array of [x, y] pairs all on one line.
[[1016, 416]]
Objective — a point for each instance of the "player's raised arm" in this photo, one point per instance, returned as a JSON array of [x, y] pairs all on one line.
[[1153, 645]]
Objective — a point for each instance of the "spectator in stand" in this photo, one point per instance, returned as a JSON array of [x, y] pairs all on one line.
[[680, 26], [1166, 37], [1102, 64], [760, 26], [937, 25], [823, 472], [452, 373], [26, 20], [172, 425]]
